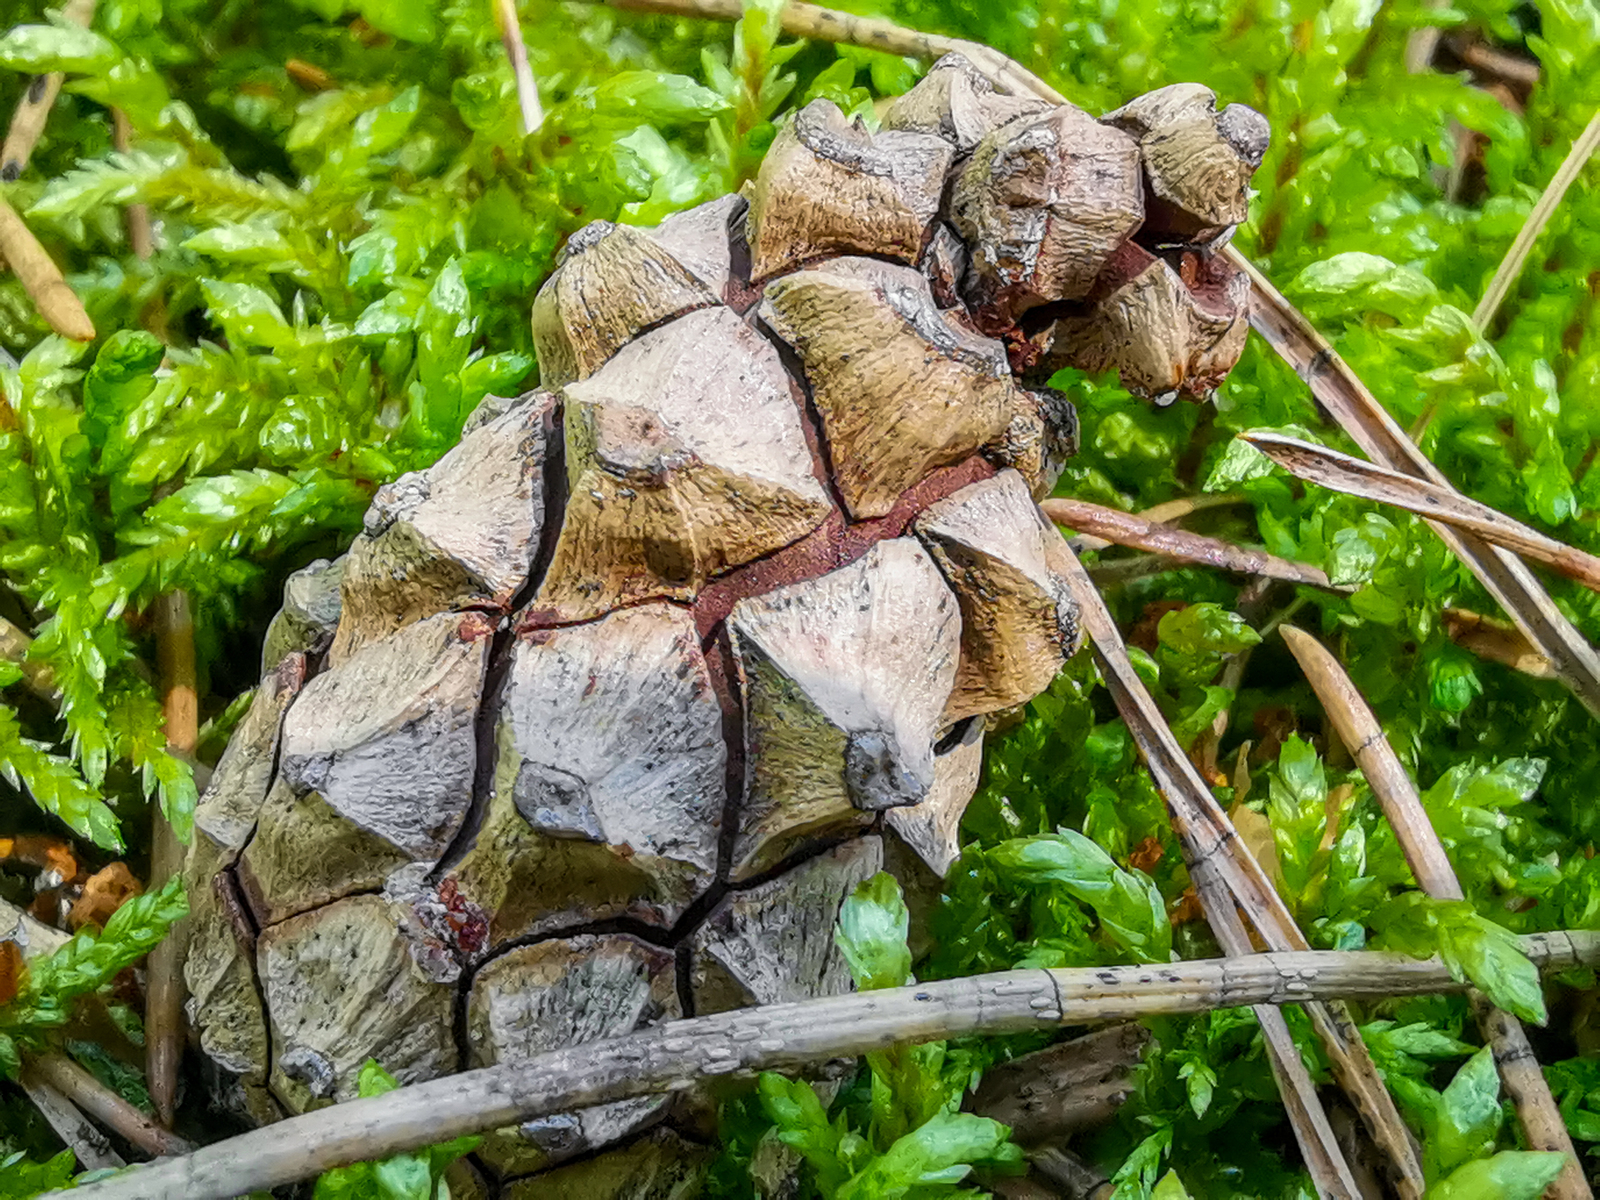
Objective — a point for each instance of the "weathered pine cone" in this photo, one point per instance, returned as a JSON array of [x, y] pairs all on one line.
[[605, 713]]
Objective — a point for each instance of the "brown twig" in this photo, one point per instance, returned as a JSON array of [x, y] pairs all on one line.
[[670, 1056], [163, 1022], [1142, 533], [1541, 1120], [1168, 513], [1359, 414], [141, 237], [1496, 641], [505, 12], [100, 1102], [830, 25], [87, 1143], [1510, 268], [1342, 473], [33, 110], [41, 278], [40, 679], [1496, 63], [1225, 875]]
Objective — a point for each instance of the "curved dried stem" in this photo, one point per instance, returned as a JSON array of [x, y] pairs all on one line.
[[1140, 532], [110, 1109], [163, 1020], [41, 278], [667, 1057], [1342, 473], [33, 110], [1510, 268], [1519, 1069]]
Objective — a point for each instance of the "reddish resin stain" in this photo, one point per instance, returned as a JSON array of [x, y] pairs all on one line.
[[477, 626], [833, 544]]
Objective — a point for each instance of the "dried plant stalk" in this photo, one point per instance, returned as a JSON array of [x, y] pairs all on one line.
[[1496, 641], [1342, 473], [1519, 1068], [666, 1057], [1510, 268], [42, 279], [164, 990], [1225, 874], [33, 110], [1359, 414], [100, 1102], [86, 1142], [517, 51], [1129, 529]]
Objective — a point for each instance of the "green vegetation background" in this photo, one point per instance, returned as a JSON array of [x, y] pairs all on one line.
[[342, 275]]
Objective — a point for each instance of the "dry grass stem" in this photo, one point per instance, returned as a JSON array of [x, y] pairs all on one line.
[[1225, 875], [41, 278], [672, 1056], [1143, 533], [141, 236], [33, 110], [1495, 641], [1359, 414], [75, 1130], [1169, 513], [163, 1021], [1358, 727], [1510, 268], [1342, 473], [505, 12], [110, 1109]]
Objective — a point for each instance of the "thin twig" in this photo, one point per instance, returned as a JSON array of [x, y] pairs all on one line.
[[1168, 513], [33, 110], [1225, 875], [141, 237], [163, 1022], [87, 1143], [674, 1055], [830, 25], [41, 278], [1493, 61], [1359, 414], [1510, 268], [1496, 641], [1342, 473], [1422, 42], [517, 51], [1142, 533], [100, 1102], [1541, 1120]]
